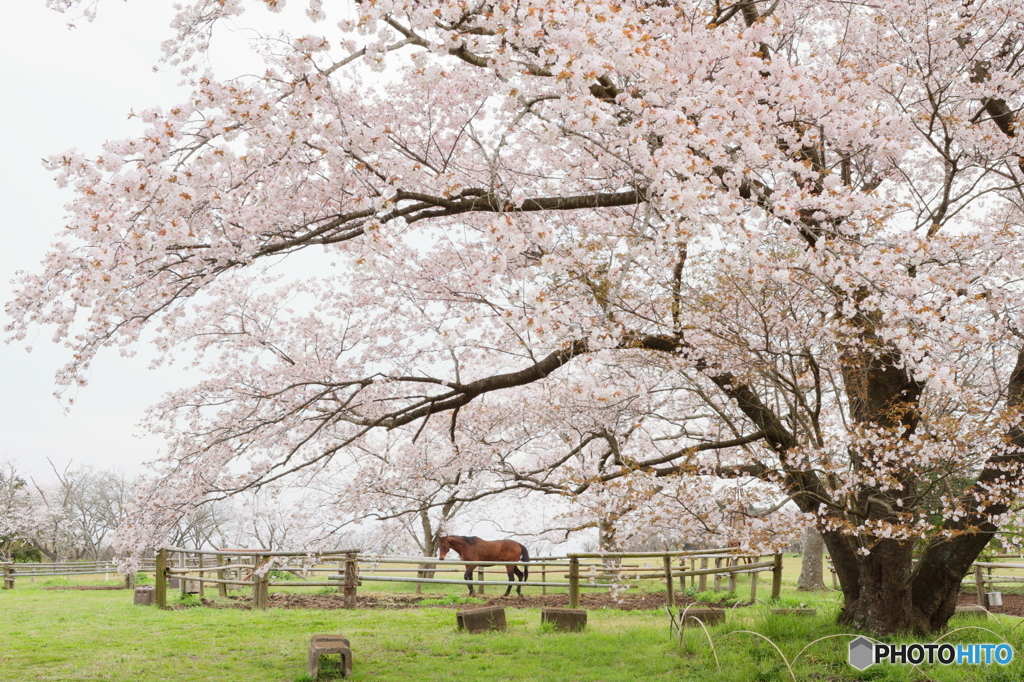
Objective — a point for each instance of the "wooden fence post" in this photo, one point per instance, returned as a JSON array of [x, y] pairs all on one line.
[[777, 577], [979, 586], [160, 579], [670, 586], [732, 562], [261, 584], [183, 563], [8, 576], [480, 577], [222, 589], [255, 581], [753, 587], [341, 583], [702, 581], [574, 582], [265, 589], [351, 579], [544, 578]]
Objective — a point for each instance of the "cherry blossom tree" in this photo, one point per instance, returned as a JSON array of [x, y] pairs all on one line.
[[17, 511], [788, 228]]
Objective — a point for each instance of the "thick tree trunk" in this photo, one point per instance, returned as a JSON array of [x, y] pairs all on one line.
[[428, 545], [937, 577], [606, 538], [812, 571], [885, 593], [881, 602]]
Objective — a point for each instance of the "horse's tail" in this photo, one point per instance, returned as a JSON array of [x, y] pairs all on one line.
[[525, 556]]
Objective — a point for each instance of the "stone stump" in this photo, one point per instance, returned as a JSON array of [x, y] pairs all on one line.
[[706, 616], [794, 612], [482, 619], [145, 596], [572, 620]]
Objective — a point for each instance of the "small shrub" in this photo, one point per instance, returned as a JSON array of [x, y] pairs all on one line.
[[327, 590], [791, 603], [25, 555], [141, 577], [189, 600], [719, 598]]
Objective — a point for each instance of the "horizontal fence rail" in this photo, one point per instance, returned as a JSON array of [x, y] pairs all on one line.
[[33, 570]]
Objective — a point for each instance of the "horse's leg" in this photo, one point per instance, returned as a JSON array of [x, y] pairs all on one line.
[[521, 576], [511, 579], [469, 576]]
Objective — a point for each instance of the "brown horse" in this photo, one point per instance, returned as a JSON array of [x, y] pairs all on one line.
[[475, 549]]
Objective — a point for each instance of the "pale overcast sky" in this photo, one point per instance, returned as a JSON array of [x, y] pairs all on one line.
[[63, 88]]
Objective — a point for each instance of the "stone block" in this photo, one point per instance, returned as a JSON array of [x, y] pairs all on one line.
[[327, 645], [573, 620], [482, 619], [144, 596], [706, 616], [795, 612]]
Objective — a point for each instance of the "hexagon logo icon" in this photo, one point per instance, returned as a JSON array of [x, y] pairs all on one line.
[[862, 653]]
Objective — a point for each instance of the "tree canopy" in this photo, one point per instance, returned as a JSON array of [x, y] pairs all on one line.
[[650, 253]]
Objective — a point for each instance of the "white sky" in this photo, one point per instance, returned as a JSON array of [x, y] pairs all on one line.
[[63, 88]]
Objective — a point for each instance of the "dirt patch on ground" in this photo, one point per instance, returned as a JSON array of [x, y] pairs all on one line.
[[88, 587], [1013, 604], [629, 602]]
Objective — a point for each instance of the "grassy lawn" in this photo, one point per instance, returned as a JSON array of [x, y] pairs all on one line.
[[70, 636]]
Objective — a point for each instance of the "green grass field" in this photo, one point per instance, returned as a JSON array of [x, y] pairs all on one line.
[[71, 636]]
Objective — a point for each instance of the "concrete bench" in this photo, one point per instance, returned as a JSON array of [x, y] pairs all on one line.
[[326, 645], [479, 620]]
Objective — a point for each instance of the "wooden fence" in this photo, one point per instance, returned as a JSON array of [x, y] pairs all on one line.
[[985, 581], [192, 570], [189, 571], [32, 570]]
